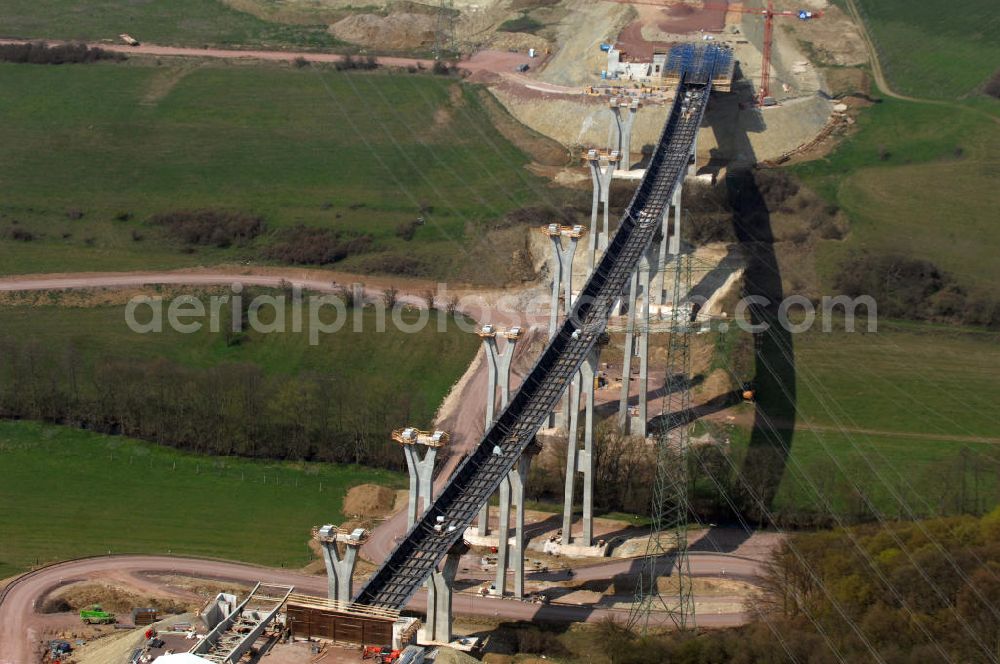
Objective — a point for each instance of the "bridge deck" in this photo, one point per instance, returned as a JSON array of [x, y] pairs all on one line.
[[478, 477]]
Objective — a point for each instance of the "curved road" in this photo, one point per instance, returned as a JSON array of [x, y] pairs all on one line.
[[20, 625]]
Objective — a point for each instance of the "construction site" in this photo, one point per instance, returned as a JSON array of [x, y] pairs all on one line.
[[662, 97], [639, 278]]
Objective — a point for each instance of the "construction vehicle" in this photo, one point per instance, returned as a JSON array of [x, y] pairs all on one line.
[[381, 654], [128, 39], [58, 649], [95, 615], [600, 380]]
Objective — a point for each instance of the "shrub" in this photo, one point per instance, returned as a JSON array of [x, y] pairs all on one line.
[[443, 69], [391, 262], [315, 246], [522, 23], [537, 215], [776, 187], [20, 234], [350, 62], [532, 4], [220, 228], [407, 229], [903, 286], [992, 87], [300, 62], [38, 53]]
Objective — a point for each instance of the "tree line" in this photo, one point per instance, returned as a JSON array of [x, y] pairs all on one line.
[[729, 484], [229, 409], [896, 592]]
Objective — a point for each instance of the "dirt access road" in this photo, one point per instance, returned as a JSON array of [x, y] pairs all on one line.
[[883, 83], [489, 61], [21, 627]]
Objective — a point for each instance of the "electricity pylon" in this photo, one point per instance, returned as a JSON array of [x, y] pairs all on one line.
[[667, 548]]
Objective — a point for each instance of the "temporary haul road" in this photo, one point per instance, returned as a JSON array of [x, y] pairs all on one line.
[[21, 626]]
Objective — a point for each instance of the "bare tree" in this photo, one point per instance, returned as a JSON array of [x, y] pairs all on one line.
[[429, 299], [390, 296]]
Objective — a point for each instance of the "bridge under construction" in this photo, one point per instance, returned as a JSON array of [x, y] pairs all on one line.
[[441, 527]]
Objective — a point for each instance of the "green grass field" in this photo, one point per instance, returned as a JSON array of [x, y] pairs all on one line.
[[69, 493], [906, 414], [187, 22], [934, 196], [932, 49], [359, 153], [920, 179], [420, 367]]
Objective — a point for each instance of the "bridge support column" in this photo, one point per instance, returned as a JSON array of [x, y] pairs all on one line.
[[498, 367], [421, 485], [626, 146], [562, 273], [674, 245], [581, 460], [339, 566], [628, 352], [638, 425], [659, 279], [440, 585], [512, 495], [503, 537], [602, 170], [615, 128], [518, 481], [339, 570]]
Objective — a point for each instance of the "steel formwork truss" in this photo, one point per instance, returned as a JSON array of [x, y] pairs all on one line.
[[236, 634]]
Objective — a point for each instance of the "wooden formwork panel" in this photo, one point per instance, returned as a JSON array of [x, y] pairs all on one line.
[[317, 623]]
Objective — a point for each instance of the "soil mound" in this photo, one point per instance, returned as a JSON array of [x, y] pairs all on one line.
[[110, 597], [369, 500], [449, 656], [398, 32]]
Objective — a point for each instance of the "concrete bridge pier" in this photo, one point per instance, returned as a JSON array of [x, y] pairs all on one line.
[[562, 275], [638, 426], [512, 496], [498, 372], [627, 122], [421, 481], [581, 460], [421, 467], [339, 566], [602, 169], [440, 587], [632, 420], [628, 351]]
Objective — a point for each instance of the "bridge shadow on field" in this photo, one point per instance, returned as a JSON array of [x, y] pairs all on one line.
[[763, 467]]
